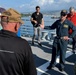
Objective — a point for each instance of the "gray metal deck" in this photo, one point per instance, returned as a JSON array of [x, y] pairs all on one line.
[[42, 57]]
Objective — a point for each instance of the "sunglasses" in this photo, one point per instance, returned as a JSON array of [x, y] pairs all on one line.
[[63, 14]]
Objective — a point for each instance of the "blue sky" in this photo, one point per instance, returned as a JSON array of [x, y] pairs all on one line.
[[29, 5]]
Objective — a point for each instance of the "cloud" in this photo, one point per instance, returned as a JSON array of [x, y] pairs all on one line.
[[22, 5], [45, 2], [48, 4]]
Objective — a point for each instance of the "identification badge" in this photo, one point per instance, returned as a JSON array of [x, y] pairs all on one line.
[[65, 26]]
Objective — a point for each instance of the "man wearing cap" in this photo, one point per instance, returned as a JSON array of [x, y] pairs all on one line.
[[72, 17], [15, 53], [61, 40]]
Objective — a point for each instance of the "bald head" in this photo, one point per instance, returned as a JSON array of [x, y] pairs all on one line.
[[72, 10]]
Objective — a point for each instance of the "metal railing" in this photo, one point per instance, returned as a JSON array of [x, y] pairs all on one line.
[[26, 30]]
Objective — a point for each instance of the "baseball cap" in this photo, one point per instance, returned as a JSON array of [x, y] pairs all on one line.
[[13, 15], [63, 12]]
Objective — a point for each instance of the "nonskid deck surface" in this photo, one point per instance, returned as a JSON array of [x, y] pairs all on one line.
[[42, 57]]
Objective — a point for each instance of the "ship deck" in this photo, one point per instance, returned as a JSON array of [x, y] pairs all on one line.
[[42, 57]]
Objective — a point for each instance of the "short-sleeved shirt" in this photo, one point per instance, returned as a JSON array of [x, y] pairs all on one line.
[[36, 17]]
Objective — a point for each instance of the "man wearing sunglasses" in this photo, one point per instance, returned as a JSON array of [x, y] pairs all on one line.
[[61, 40]]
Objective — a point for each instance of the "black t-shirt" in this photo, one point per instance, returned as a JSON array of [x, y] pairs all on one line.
[[36, 17], [15, 55]]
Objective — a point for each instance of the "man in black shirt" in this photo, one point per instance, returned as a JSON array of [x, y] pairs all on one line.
[[37, 21], [15, 53]]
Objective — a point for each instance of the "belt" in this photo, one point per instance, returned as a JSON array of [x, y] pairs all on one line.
[[63, 37], [59, 37]]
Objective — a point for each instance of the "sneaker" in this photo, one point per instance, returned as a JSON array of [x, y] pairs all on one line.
[[39, 44]]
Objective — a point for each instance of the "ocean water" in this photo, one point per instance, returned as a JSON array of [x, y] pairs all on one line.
[[27, 29]]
